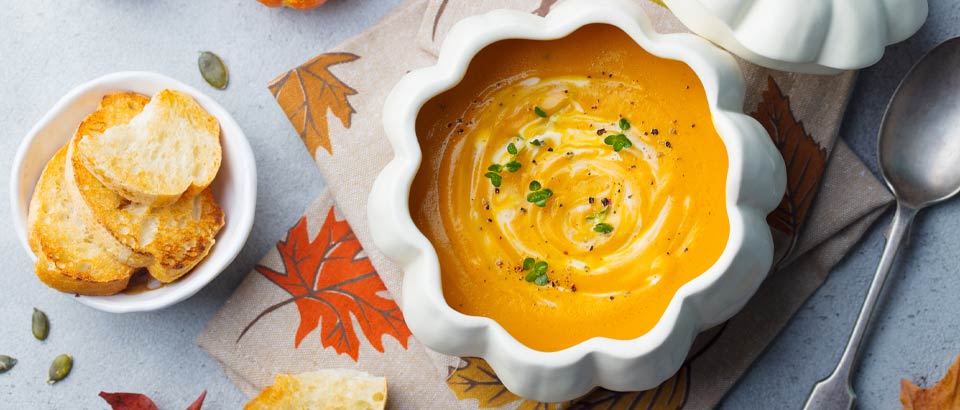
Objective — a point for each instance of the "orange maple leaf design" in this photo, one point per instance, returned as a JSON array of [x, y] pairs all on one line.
[[332, 283], [307, 92]]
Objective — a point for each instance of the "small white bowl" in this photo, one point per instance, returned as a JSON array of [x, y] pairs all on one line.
[[755, 183], [235, 187]]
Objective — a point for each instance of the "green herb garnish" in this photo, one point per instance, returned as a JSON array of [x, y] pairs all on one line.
[[513, 166], [618, 141], [536, 143], [536, 271], [538, 196], [540, 112], [624, 124], [495, 178], [598, 216], [603, 228], [600, 226]]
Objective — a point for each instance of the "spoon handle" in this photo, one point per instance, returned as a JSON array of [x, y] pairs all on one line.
[[835, 392]]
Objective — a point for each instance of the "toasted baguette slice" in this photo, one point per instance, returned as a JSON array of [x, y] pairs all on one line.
[[171, 148], [114, 109], [67, 258], [330, 389], [174, 238]]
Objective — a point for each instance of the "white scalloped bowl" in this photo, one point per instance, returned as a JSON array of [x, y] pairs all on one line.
[[755, 184], [809, 36]]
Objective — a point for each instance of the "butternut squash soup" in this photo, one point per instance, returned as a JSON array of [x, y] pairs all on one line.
[[571, 186]]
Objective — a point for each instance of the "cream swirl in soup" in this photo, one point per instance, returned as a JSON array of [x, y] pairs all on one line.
[[571, 186]]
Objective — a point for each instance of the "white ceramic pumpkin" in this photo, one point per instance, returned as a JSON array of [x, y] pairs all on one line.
[[810, 36]]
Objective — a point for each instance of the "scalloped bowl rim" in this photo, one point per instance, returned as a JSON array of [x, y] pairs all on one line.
[[239, 166], [396, 235]]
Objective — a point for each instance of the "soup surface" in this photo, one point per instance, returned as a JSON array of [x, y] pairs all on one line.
[[571, 186]]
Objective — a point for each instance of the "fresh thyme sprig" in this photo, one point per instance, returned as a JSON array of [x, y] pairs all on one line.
[[538, 195], [494, 170], [536, 271], [599, 225], [619, 141], [540, 112]]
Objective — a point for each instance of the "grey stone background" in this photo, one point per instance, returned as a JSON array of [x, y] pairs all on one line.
[[47, 47]]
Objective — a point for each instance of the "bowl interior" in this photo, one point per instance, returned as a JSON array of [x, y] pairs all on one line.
[[234, 187], [542, 64]]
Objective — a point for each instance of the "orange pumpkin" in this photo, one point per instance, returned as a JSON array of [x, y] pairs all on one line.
[[294, 4]]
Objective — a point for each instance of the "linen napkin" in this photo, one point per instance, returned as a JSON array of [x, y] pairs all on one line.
[[325, 297]]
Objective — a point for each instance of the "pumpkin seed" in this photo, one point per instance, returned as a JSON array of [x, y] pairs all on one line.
[[6, 363], [213, 70], [60, 368], [41, 326]]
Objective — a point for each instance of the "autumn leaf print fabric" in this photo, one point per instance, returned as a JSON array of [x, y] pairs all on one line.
[[325, 297], [333, 284]]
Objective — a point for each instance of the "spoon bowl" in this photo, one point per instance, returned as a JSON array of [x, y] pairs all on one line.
[[919, 145], [919, 154]]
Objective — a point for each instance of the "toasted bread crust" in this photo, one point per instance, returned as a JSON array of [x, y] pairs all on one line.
[[85, 189], [53, 277], [328, 389], [177, 251], [67, 260], [173, 238], [174, 127]]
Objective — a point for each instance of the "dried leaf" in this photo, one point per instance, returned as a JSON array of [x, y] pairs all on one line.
[[294, 4], [804, 157], [332, 284], [307, 92], [945, 395], [128, 401], [199, 402]]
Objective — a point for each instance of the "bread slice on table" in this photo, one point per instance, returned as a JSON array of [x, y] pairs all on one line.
[[174, 238], [329, 389], [171, 148], [68, 259]]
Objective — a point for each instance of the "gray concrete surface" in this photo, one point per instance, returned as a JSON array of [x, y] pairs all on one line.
[[47, 47]]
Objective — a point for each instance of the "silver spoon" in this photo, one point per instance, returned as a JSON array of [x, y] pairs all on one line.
[[919, 153]]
